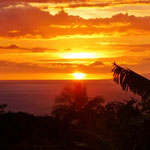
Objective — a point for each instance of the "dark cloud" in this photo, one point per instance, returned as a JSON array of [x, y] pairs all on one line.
[[95, 68], [107, 4], [128, 47], [90, 5], [44, 1], [96, 64], [75, 3], [13, 46], [42, 49], [134, 48], [79, 1], [31, 22], [26, 50], [13, 67]]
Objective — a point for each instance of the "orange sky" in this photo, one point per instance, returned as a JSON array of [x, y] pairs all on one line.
[[52, 39]]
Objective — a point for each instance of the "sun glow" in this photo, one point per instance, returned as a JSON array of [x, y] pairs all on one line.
[[79, 55], [79, 76]]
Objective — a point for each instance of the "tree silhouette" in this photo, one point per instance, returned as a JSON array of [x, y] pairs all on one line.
[[129, 80], [81, 118], [73, 105], [70, 101]]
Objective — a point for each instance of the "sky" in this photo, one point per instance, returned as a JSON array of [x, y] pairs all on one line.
[[55, 39]]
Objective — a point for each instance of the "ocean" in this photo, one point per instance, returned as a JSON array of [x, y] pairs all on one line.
[[38, 96]]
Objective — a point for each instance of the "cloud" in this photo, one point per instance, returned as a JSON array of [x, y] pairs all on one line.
[[31, 22], [68, 49], [107, 3], [126, 47], [96, 64], [42, 49], [14, 67], [52, 1], [98, 67], [14, 47], [79, 1], [94, 68]]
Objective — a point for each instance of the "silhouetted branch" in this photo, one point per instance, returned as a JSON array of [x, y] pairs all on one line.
[[132, 81]]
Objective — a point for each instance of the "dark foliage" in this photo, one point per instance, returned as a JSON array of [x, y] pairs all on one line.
[[2, 108], [132, 81], [79, 122]]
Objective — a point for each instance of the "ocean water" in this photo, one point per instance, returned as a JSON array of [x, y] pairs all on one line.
[[38, 97]]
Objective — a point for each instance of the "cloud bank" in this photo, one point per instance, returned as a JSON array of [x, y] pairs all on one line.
[[31, 22]]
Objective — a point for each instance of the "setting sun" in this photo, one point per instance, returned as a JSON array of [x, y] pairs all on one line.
[[79, 76]]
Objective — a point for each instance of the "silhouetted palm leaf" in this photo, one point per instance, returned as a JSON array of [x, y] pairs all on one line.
[[132, 81]]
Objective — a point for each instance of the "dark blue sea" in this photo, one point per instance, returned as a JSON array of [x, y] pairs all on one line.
[[38, 96]]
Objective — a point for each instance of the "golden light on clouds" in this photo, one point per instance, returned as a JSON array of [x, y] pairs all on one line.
[[54, 39], [79, 55]]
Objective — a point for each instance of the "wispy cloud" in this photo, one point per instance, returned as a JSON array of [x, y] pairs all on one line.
[[13, 47]]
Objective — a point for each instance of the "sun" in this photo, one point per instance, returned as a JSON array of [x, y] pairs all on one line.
[[79, 76]]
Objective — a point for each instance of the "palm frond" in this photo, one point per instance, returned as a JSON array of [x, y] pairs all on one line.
[[129, 80]]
